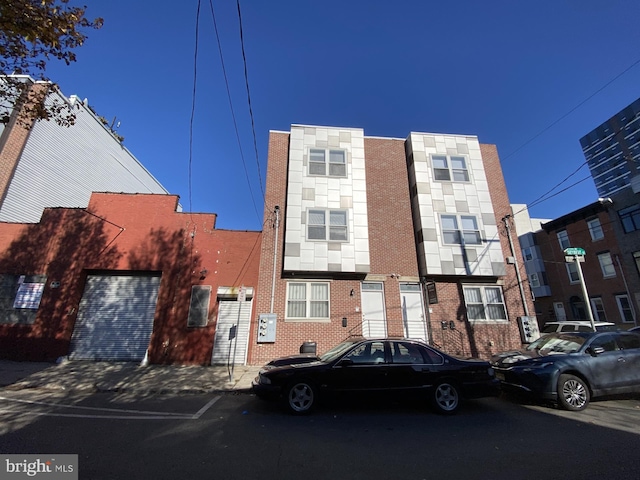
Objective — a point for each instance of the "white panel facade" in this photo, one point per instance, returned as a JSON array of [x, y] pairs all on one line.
[[309, 191], [452, 197], [61, 166]]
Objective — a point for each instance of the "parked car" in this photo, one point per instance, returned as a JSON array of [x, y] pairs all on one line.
[[634, 330], [577, 326], [396, 367], [572, 368]]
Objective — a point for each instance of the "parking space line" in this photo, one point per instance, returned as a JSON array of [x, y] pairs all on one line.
[[137, 414]]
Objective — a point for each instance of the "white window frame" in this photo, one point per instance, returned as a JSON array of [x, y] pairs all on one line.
[[597, 307], [534, 280], [563, 239], [332, 232], [595, 229], [622, 309], [330, 168], [307, 303], [606, 265], [459, 232], [572, 270], [450, 168], [527, 254], [485, 305]]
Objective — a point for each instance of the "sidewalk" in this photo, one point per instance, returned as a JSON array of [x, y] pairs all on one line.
[[124, 377]]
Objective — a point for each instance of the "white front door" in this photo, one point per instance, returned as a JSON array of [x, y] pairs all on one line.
[[232, 333], [412, 311], [561, 315], [374, 320]]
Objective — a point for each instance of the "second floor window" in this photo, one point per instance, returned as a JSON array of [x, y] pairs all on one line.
[[572, 271], [606, 265], [330, 163], [527, 253], [534, 280], [327, 225], [460, 230], [450, 168]]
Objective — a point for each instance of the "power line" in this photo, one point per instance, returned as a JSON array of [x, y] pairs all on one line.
[[233, 116], [572, 110], [246, 81]]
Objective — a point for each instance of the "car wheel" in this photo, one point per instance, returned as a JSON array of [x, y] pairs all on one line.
[[573, 392], [446, 398], [300, 397]]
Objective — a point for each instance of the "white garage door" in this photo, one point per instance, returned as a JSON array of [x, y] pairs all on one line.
[[115, 318], [232, 333]]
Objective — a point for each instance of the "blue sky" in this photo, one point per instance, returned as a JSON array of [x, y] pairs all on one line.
[[503, 70]]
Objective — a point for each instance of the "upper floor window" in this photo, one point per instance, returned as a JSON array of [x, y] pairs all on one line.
[[308, 300], [484, 303], [563, 239], [327, 162], [630, 218], [572, 271], [460, 230], [606, 265], [450, 168], [625, 308], [534, 280], [527, 253], [595, 229], [327, 225], [636, 259]]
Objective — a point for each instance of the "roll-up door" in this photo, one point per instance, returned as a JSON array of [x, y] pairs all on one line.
[[232, 333], [115, 318]]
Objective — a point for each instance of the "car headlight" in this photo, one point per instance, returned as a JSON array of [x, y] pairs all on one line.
[[265, 380]]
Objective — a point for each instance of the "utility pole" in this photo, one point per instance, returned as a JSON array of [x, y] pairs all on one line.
[[576, 255]]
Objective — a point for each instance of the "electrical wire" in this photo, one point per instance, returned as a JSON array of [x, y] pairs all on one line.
[[246, 81], [233, 116]]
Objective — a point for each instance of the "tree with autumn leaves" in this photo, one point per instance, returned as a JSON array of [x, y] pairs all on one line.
[[32, 33]]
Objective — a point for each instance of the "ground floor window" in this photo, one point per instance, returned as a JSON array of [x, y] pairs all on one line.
[[625, 308], [484, 302], [598, 309], [308, 300]]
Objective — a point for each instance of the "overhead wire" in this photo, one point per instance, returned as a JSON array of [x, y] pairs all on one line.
[[233, 116]]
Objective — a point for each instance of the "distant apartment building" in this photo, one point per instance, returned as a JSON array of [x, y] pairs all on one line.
[[381, 236], [48, 165]]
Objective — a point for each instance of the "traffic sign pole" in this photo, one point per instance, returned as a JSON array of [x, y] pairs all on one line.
[[587, 301]]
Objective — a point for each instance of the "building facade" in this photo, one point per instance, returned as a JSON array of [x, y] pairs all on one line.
[[606, 278], [44, 164], [128, 278], [385, 237]]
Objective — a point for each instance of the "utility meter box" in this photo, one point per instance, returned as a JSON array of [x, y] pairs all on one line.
[[267, 328], [529, 331]]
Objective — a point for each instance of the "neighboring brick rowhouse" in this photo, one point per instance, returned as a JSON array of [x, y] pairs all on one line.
[[124, 233]]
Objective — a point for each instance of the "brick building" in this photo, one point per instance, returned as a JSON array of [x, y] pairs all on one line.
[[128, 278], [606, 278], [385, 236]]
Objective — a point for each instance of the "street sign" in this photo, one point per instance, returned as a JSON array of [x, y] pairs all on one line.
[[574, 251], [572, 258]]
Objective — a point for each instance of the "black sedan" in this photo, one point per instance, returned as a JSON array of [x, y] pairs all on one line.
[[385, 366], [572, 368]]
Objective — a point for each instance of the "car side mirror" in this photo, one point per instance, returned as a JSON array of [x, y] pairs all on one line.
[[595, 351], [345, 362]]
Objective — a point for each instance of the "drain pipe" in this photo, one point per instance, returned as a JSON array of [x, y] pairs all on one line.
[[515, 264], [275, 256]]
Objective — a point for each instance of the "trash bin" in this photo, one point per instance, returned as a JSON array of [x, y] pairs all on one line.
[[308, 347]]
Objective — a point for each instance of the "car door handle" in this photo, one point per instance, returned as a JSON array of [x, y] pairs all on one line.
[[621, 359]]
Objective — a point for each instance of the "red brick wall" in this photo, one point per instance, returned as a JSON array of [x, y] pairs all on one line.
[[124, 232]]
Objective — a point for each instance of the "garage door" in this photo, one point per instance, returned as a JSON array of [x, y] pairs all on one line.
[[115, 318]]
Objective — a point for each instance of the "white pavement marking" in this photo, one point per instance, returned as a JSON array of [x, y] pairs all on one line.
[[140, 414]]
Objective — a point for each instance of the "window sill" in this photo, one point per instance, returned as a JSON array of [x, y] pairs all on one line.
[[307, 320]]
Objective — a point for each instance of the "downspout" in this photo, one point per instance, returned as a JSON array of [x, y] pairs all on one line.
[[275, 257]]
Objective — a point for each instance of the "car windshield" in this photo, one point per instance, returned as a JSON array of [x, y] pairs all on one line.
[[338, 350], [557, 344]]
